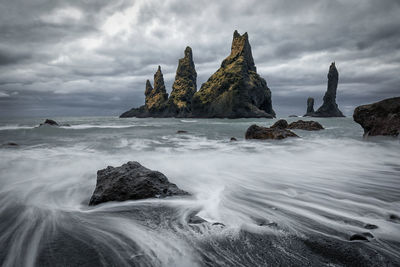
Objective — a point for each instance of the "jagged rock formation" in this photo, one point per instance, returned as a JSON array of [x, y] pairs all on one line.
[[184, 87], [155, 99], [235, 90], [310, 107], [380, 118], [258, 132], [329, 108], [131, 181]]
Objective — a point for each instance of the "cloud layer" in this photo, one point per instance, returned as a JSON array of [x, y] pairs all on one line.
[[93, 57]]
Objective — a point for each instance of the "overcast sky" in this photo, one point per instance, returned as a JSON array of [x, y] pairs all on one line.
[[93, 57]]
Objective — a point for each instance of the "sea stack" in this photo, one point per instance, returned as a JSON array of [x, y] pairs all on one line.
[[310, 107], [235, 90], [155, 99], [329, 108], [184, 87]]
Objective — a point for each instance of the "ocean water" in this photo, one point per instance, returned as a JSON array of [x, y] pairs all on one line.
[[288, 202]]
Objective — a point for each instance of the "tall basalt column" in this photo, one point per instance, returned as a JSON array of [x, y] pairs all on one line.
[[184, 87], [329, 108], [310, 107]]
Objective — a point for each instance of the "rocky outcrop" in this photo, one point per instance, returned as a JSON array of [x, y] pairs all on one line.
[[155, 99], [131, 181], [310, 107], [49, 122], [380, 118], [306, 125], [300, 124], [329, 108], [235, 90], [281, 124], [258, 132], [184, 87]]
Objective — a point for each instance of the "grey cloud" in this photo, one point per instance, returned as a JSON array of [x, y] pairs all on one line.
[[59, 56]]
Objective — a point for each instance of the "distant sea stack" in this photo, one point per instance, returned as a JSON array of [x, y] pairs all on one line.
[[310, 107], [329, 108], [234, 91], [184, 87], [156, 99]]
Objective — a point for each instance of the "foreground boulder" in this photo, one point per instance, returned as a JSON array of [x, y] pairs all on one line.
[[258, 132], [235, 90], [329, 108], [306, 125], [380, 118], [131, 181]]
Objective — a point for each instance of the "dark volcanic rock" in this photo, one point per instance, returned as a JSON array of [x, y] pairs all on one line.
[[361, 237], [306, 125], [293, 116], [184, 87], [310, 107], [233, 139], [370, 226], [394, 218], [131, 181], [281, 124], [380, 118], [235, 90], [329, 108], [181, 132], [12, 144], [258, 132], [49, 123], [194, 219]]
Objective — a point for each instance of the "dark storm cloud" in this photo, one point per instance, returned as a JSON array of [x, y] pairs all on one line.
[[93, 57]]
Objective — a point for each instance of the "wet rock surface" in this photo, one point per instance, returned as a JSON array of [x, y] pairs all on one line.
[[361, 237], [10, 144], [131, 181], [380, 118], [306, 125], [258, 132], [280, 124], [370, 226], [49, 122]]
